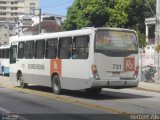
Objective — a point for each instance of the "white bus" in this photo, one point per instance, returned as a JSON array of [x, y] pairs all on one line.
[[4, 59], [89, 58]]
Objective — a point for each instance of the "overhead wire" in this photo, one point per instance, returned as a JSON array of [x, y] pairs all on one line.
[[150, 8]]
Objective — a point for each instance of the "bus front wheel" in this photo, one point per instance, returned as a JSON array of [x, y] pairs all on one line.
[[21, 82], [93, 91], [56, 85]]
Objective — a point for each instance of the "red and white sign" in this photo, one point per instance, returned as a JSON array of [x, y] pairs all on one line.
[[129, 64]]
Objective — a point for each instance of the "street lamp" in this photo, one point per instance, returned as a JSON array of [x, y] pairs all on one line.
[[157, 37], [40, 12]]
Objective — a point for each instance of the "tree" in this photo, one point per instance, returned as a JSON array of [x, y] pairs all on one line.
[[47, 25], [85, 13], [118, 16], [97, 13], [137, 11], [112, 13]]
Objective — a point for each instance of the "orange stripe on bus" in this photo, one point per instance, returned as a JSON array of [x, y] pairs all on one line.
[[56, 66]]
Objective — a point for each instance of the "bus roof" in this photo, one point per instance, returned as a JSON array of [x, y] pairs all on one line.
[[52, 35], [83, 31], [117, 29], [5, 46]]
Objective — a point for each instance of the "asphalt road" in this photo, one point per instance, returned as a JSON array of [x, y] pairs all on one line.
[[38, 102]]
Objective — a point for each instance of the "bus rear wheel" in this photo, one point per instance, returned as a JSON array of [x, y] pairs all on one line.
[[21, 82], [93, 91], [56, 85]]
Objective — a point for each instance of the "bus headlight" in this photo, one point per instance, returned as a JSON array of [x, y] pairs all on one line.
[[95, 72]]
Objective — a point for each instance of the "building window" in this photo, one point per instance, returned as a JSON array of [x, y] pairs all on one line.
[[3, 2], [39, 49], [2, 14], [2, 19], [5, 35], [32, 10], [2, 8], [32, 4], [15, 2]]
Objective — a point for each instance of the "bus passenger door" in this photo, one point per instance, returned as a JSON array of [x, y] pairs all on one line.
[[13, 54], [13, 66]]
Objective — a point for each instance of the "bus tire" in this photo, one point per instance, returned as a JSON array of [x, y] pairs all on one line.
[[56, 85], [21, 81], [93, 91]]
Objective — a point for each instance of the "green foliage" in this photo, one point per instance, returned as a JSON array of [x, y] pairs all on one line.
[[112, 13], [85, 13], [117, 14], [142, 39], [137, 11]]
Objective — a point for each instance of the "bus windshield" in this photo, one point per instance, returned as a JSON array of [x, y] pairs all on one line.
[[113, 40]]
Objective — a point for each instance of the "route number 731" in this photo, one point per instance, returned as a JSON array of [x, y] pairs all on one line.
[[117, 67]]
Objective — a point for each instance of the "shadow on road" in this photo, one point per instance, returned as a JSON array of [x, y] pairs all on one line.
[[105, 95]]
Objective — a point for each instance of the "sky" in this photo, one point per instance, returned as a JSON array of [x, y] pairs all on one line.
[[58, 7]]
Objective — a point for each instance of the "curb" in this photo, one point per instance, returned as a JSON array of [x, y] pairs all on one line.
[[149, 86]]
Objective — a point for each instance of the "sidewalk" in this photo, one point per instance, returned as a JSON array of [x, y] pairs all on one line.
[[150, 86]]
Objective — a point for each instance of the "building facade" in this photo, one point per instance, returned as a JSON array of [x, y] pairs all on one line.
[[4, 35], [10, 11], [30, 24]]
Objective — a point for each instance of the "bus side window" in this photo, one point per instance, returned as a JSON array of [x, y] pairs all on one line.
[[3, 53], [65, 47], [39, 49], [51, 48], [7, 53], [21, 50], [81, 46], [29, 49], [0, 53]]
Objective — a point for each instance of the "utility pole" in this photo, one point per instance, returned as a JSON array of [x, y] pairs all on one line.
[[18, 27], [40, 14], [40, 20], [157, 36]]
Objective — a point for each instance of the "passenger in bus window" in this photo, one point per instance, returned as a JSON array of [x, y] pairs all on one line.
[[74, 54]]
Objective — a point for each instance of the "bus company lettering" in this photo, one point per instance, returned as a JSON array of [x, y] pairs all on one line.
[[36, 66]]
